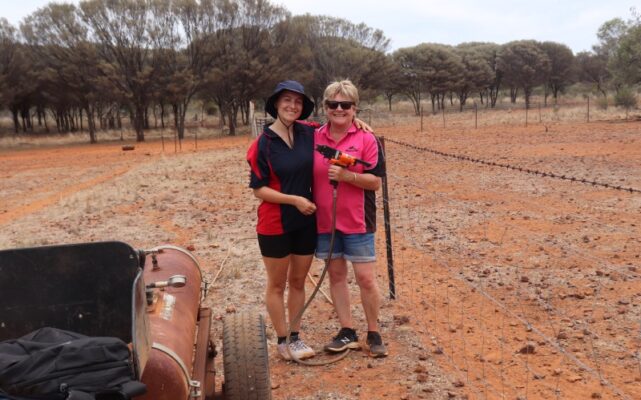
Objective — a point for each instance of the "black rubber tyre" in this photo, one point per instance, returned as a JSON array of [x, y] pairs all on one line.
[[245, 358]]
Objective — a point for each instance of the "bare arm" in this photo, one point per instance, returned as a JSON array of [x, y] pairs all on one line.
[[270, 195], [364, 181]]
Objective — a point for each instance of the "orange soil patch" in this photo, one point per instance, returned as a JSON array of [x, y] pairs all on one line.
[[508, 285]]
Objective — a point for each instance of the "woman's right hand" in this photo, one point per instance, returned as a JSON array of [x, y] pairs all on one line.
[[305, 206]]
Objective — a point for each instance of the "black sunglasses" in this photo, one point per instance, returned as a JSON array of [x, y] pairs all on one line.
[[333, 105]]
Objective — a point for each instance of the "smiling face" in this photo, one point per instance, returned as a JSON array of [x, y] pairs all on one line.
[[339, 116], [289, 106]]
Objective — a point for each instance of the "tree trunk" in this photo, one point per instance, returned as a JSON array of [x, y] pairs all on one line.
[[462, 98], [389, 101], [145, 118], [162, 115], [513, 94], [494, 95], [244, 112], [155, 118], [180, 111], [233, 118], [527, 92], [25, 122], [44, 119], [91, 124], [16, 121], [139, 122]]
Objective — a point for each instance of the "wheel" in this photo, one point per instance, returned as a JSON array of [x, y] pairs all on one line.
[[245, 359]]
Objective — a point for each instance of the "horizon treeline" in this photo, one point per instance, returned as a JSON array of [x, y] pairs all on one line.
[[104, 60]]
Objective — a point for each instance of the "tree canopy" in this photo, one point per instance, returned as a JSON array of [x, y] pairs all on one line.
[[86, 66]]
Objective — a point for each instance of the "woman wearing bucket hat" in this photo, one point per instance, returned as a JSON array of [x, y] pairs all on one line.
[[281, 176]]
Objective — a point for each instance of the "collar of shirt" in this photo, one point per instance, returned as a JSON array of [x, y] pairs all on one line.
[[324, 130]]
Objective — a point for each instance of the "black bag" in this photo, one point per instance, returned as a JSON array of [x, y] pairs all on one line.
[[56, 364]]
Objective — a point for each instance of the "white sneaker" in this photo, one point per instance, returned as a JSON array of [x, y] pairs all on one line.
[[300, 350], [283, 352]]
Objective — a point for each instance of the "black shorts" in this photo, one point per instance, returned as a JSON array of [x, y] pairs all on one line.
[[299, 242]]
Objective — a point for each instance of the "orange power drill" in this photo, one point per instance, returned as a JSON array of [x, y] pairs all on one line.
[[337, 157]]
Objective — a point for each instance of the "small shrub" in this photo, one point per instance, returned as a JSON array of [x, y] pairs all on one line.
[[625, 98], [602, 103]]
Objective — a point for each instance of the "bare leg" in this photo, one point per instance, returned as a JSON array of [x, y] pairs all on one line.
[[275, 293], [296, 295], [370, 295], [340, 291]]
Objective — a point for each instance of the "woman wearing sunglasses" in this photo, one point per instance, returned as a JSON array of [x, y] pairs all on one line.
[[355, 215]]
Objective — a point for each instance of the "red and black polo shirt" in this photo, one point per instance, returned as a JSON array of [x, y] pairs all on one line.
[[286, 170]]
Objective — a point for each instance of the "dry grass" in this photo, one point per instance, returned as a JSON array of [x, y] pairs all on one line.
[[207, 129]]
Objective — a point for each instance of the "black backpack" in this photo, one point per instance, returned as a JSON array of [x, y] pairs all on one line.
[[61, 365]]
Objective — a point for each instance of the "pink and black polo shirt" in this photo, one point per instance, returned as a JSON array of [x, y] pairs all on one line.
[[275, 165], [356, 207]]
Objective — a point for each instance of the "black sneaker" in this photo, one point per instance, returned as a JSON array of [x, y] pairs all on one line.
[[346, 339], [375, 344]]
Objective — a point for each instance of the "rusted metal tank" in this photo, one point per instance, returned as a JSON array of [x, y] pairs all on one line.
[[174, 368], [149, 298]]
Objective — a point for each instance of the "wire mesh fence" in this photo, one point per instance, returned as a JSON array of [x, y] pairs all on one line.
[[475, 115], [516, 305]]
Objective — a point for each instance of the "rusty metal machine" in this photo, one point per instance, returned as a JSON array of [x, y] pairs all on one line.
[[152, 299]]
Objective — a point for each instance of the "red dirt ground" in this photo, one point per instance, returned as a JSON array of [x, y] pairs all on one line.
[[509, 285]]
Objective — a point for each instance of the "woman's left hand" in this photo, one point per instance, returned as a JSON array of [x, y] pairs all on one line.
[[360, 124]]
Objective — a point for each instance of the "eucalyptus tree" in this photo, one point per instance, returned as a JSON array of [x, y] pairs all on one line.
[[334, 48], [8, 49], [562, 69], [477, 74], [489, 53], [620, 40], [15, 82], [185, 61], [593, 69], [626, 62], [411, 71], [245, 56], [432, 68], [57, 36], [392, 84], [525, 65], [127, 34]]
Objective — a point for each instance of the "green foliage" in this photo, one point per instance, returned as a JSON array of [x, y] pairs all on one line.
[[626, 62], [625, 98], [563, 69], [432, 68], [593, 69], [524, 65]]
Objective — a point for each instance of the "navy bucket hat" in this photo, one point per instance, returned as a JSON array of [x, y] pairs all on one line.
[[292, 86]]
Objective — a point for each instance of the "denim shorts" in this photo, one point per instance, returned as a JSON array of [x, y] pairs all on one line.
[[356, 247]]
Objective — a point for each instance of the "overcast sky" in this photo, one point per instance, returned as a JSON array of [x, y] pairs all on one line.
[[410, 22]]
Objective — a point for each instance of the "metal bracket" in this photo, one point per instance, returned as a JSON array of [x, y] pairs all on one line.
[[195, 389]]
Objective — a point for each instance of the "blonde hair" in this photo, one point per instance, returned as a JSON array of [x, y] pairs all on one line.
[[344, 87]]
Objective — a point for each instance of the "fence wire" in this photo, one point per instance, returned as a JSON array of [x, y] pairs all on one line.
[[528, 337]]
